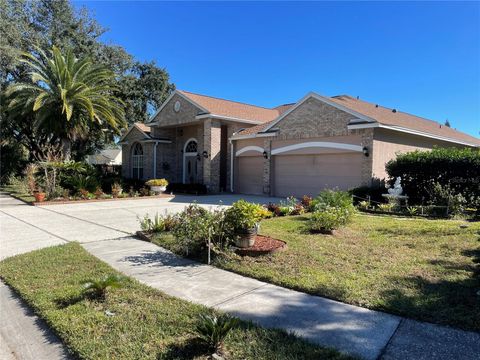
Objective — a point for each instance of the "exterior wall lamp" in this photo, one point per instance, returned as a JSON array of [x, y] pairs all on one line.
[[205, 154], [265, 155], [365, 151]]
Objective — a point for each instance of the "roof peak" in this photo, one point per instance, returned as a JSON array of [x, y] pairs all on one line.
[[223, 99]]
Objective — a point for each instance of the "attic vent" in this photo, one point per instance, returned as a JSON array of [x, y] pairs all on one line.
[[394, 110], [376, 105]]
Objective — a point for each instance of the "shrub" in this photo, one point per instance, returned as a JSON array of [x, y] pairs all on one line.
[[412, 210], [274, 209], [144, 191], [98, 193], [306, 202], [98, 288], [328, 219], [30, 177], [445, 196], [298, 210], [459, 169], [213, 330], [157, 182], [155, 225], [116, 189], [364, 205], [388, 207], [193, 229], [333, 198], [81, 181]]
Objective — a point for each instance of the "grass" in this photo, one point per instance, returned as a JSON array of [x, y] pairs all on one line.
[[418, 268], [16, 192], [147, 323]]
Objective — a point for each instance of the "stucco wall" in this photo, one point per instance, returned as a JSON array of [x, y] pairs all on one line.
[[387, 144]]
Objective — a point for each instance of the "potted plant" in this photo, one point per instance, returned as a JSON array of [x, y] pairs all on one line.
[[157, 185], [39, 195], [244, 219]]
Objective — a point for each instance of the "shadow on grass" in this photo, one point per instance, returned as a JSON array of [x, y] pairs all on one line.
[[188, 349], [447, 302]]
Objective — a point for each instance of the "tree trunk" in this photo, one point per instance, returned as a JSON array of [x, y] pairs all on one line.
[[66, 148]]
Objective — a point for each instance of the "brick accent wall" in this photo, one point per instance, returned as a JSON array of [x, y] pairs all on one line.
[[186, 114], [267, 168], [211, 144], [133, 137], [314, 119]]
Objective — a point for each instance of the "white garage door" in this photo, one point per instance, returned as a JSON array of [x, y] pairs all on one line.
[[300, 175], [249, 176]]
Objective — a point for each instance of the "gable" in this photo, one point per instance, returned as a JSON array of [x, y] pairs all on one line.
[[167, 115], [313, 118], [134, 134]]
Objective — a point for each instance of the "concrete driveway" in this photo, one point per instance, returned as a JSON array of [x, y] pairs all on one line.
[[25, 228]]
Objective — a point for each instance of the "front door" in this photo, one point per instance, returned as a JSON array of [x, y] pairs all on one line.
[[191, 169]]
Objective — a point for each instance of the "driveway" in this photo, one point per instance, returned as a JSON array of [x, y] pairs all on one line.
[[25, 228]]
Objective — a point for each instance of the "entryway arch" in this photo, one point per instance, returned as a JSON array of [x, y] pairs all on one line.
[[190, 166]]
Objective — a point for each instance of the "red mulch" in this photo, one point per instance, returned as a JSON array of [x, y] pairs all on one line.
[[63, 202], [263, 245]]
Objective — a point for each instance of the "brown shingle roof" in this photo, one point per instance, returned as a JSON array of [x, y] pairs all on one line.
[[143, 127], [232, 109], [386, 116]]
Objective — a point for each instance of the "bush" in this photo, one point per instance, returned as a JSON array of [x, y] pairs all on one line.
[[157, 182], [155, 225], [333, 198], [213, 330], [445, 196], [457, 169], [328, 219], [332, 209]]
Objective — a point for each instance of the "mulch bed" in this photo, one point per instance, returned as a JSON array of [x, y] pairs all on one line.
[[62, 202], [263, 245]]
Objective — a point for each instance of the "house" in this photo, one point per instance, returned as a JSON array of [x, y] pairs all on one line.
[[106, 157], [293, 149]]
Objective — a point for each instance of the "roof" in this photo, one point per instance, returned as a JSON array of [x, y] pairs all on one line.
[[234, 109], [391, 117], [143, 127], [381, 115]]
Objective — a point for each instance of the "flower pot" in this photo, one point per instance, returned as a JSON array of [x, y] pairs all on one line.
[[39, 196], [158, 189], [246, 239]]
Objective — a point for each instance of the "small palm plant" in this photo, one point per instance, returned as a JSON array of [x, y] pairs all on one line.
[[213, 330], [98, 288]]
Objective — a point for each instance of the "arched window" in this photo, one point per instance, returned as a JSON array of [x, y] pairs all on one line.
[[137, 161], [191, 147]]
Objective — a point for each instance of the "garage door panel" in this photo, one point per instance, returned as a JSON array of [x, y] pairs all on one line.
[[309, 174], [249, 178]]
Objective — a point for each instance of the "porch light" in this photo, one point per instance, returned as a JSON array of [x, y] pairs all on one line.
[[205, 154], [265, 155], [365, 151]]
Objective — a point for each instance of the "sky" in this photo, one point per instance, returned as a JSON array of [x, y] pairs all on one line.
[[418, 57]]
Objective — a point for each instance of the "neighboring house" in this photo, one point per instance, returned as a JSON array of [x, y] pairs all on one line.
[[106, 157], [293, 149]]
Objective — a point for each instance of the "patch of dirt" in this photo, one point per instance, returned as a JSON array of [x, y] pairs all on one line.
[[263, 245]]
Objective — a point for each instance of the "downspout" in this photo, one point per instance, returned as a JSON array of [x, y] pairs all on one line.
[[155, 160], [232, 155]]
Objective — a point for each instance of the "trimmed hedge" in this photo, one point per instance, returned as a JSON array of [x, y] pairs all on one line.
[[455, 169]]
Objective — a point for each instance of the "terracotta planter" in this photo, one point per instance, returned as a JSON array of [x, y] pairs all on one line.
[[39, 196], [158, 189], [246, 239]]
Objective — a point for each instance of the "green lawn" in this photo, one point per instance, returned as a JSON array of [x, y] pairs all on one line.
[[147, 323], [419, 268]]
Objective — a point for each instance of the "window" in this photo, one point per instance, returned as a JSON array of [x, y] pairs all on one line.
[[137, 161], [191, 147]]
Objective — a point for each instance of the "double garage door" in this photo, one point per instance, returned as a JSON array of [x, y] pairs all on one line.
[[301, 174]]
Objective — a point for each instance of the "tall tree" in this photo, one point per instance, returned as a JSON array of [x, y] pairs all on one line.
[[26, 24], [66, 95]]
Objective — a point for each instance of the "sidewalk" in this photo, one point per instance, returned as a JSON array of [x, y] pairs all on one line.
[[22, 334], [353, 330]]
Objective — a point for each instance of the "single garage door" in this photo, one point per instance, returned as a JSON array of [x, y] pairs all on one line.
[[300, 175], [249, 175]]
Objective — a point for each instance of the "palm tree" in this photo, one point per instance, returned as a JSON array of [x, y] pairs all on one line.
[[67, 95]]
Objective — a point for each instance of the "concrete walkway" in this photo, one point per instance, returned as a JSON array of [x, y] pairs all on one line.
[[22, 334], [104, 230]]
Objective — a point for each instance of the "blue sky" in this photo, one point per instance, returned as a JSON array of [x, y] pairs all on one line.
[[422, 58]]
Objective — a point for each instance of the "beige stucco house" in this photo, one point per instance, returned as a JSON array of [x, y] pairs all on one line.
[[292, 149]]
